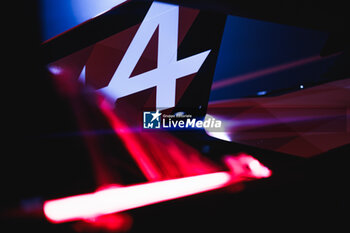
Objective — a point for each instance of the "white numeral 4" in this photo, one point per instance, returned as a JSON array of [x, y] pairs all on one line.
[[169, 69]]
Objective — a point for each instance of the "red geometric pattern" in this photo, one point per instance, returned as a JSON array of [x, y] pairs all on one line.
[[103, 58], [303, 123]]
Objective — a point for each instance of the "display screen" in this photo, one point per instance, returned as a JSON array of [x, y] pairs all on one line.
[[176, 116]]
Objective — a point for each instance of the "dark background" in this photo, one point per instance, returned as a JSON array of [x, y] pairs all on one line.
[[303, 194]]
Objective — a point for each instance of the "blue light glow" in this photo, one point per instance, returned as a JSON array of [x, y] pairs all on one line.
[[60, 16], [250, 46], [261, 93]]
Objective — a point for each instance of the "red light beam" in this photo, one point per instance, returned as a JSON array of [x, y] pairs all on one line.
[[117, 199]]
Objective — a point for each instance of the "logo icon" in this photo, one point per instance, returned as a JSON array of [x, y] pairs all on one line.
[[151, 120]]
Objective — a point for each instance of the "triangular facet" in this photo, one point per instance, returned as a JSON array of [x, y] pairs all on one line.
[[148, 60]]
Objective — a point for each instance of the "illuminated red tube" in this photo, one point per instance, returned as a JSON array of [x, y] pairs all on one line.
[[118, 199]]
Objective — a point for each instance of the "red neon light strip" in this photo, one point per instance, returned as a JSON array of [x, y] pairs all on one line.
[[124, 198]]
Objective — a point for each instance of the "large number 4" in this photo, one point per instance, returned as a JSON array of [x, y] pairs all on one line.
[[169, 69]]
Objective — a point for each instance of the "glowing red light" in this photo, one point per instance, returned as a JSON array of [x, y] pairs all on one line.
[[244, 165], [159, 155], [258, 169], [112, 200], [106, 223]]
